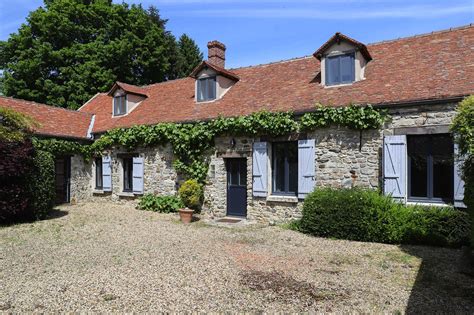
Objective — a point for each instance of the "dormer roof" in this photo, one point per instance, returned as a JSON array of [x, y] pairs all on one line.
[[217, 69], [336, 39], [128, 88]]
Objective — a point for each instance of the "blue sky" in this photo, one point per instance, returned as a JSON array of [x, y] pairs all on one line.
[[262, 31]]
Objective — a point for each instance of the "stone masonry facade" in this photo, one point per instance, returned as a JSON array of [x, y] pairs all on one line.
[[338, 152]]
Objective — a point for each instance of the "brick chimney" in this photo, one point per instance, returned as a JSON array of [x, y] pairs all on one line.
[[216, 53]]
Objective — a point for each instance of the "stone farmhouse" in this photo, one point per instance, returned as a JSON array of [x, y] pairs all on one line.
[[418, 79]]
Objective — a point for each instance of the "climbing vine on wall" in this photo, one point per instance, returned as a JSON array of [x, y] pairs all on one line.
[[191, 141]]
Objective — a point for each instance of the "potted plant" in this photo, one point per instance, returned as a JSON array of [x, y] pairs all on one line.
[[191, 193]]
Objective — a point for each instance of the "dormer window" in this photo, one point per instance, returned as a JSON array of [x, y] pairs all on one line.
[[206, 89], [343, 60], [120, 105], [340, 69]]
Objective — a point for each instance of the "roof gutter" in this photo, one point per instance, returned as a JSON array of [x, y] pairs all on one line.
[[91, 127]]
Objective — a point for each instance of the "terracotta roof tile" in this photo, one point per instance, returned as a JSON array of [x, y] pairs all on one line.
[[53, 121], [433, 66]]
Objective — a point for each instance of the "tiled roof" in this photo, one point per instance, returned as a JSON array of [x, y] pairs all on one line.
[[426, 67], [53, 121]]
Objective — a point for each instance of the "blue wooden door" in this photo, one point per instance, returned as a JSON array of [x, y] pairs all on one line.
[[236, 187]]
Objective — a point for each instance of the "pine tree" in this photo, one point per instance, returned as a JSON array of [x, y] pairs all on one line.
[[189, 56]]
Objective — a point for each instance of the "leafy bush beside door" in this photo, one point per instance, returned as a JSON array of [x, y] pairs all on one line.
[[164, 204]]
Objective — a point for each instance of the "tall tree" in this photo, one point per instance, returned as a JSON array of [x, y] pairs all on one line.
[[189, 55], [69, 50]]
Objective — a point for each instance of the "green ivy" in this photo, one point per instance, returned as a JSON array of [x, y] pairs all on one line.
[[191, 141]]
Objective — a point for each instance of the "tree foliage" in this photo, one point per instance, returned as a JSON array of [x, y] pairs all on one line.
[[68, 50], [189, 56], [463, 129], [14, 126]]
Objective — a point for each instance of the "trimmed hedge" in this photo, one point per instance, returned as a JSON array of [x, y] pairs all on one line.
[[27, 185], [365, 215], [41, 184], [165, 204], [16, 164]]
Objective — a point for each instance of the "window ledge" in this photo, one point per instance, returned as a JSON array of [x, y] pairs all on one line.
[[428, 203], [98, 192], [339, 85], [126, 194], [289, 199]]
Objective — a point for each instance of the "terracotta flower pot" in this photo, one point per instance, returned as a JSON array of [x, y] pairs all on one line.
[[186, 215]]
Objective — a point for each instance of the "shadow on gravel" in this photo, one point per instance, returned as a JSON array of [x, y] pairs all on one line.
[[440, 286], [53, 214]]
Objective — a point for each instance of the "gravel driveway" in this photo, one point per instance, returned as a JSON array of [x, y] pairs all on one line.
[[102, 257]]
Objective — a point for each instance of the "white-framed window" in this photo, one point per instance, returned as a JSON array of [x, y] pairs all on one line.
[[422, 168], [206, 89], [120, 105], [291, 166], [340, 69]]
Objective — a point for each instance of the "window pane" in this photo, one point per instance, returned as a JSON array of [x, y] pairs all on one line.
[[211, 88], [285, 167], [123, 105], [127, 174], [418, 159], [333, 70], [442, 153], [347, 68], [293, 166], [98, 172], [200, 95], [279, 155]]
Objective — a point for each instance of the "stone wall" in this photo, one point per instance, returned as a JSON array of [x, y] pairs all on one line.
[[338, 152], [159, 176], [81, 179]]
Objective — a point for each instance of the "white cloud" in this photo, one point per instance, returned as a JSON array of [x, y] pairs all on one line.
[[416, 12]]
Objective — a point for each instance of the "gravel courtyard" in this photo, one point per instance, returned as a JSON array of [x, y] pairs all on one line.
[[102, 258]]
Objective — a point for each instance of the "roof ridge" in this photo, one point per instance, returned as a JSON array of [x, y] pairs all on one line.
[[272, 62], [163, 82], [446, 30], [44, 105], [374, 43]]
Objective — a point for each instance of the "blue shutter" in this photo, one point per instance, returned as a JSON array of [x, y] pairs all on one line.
[[106, 173], [137, 175], [259, 169], [347, 68], [458, 182], [306, 167], [395, 166]]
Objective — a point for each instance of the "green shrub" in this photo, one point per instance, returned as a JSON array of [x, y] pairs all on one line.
[[463, 130], [345, 213], [41, 184], [192, 194], [365, 215], [164, 204]]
